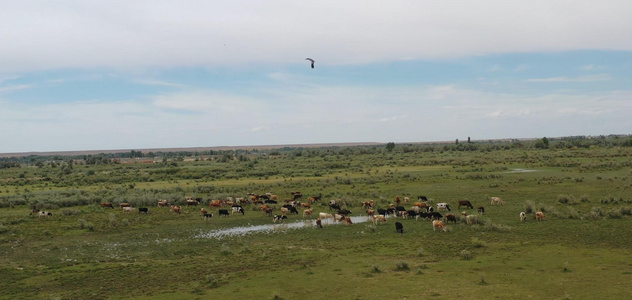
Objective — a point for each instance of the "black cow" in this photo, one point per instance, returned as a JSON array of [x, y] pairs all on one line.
[[223, 212], [344, 212], [207, 216], [334, 206], [143, 210], [412, 214], [465, 203], [270, 201], [481, 210], [399, 227], [279, 218], [435, 215], [382, 212], [422, 198]]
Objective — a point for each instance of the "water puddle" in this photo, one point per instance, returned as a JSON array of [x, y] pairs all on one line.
[[272, 228]]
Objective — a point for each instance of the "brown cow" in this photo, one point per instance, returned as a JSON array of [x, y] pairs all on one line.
[[125, 204], [107, 204]]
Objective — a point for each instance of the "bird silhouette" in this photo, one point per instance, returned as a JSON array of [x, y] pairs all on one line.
[[311, 61]]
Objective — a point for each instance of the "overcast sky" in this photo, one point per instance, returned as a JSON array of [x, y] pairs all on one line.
[[100, 75]]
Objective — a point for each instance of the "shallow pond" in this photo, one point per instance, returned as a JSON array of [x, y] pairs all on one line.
[[272, 228]]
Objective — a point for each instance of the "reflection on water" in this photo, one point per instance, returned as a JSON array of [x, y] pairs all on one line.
[[520, 171], [272, 228]]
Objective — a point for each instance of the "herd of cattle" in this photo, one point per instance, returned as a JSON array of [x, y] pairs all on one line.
[[421, 209]]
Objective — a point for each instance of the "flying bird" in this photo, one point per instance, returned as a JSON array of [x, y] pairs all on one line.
[[311, 61]]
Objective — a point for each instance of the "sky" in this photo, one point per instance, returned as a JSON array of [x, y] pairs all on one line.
[[106, 75]]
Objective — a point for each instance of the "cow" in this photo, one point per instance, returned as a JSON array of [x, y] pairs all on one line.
[[481, 210], [268, 201], [319, 223], [344, 212], [523, 216], [207, 216], [193, 202], [289, 209], [334, 206], [323, 215], [314, 199], [348, 221], [435, 215], [370, 212], [306, 205], [45, 214], [406, 199], [422, 205], [106, 204], [539, 216], [268, 212], [296, 195], [465, 203], [450, 217], [443, 206], [203, 210], [497, 200], [215, 203], [399, 227], [339, 218], [438, 224], [422, 198], [412, 214], [398, 201], [307, 212], [176, 209], [379, 218], [382, 212], [143, 210], [34, 211], [238, 209], [128, 209], [368, 204], [223, 212], [285, 210], [279, 218], [163, 203], [125, 204]]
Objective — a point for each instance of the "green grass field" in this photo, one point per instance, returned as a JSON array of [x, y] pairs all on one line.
[[580, 251]]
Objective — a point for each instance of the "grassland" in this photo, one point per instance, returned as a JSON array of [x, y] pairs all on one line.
[[581, 250]]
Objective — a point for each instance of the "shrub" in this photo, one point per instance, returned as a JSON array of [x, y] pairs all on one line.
[[466, 255], [565, 199], [584, 198], [614, 213], [529, 207], [402, 266], [376, 269], [477, 243], [489, 225]]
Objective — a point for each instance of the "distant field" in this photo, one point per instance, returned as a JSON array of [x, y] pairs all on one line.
[[85, 251]]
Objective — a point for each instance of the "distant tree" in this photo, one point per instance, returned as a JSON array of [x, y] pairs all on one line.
[[457, 141], [468, 140], [390, 146]]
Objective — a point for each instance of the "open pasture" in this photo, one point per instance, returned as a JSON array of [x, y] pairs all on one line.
[[85, 251]]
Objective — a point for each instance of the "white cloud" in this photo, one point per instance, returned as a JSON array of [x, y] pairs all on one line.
[[161, 33], [591, 78]]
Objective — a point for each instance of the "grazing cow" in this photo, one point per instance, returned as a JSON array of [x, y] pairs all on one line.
[[406, 199], [523, 216], [238, 209], [107, 204], [379, 218], [435, 215], [348, 221], [438, 224], [344, 212], [125, 204], [368, 204], [539, 216], [223, 212], [163, 203], [314, 199], [334, 206], [45, 214], [465, 203], [323, 215], [143, 210], [296, 195], [319, 223], [443, 206], [34, 211], [264, 207], [399, 227], [412, 214], [497, 200], [463, 214], [422, 205], [382, 212], [241, 200], [285, 210], [293, 210], [398, 201], [215, 203], [203, 210], [268, 201], [450, 218], [279, 218], [274, 197], [422, 198], [307, 212], [176, 209], [339, 218], [128, 209], [268, 212], [192, 202], [424, 215], [481, 210], [306, 205], [207, 216]]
